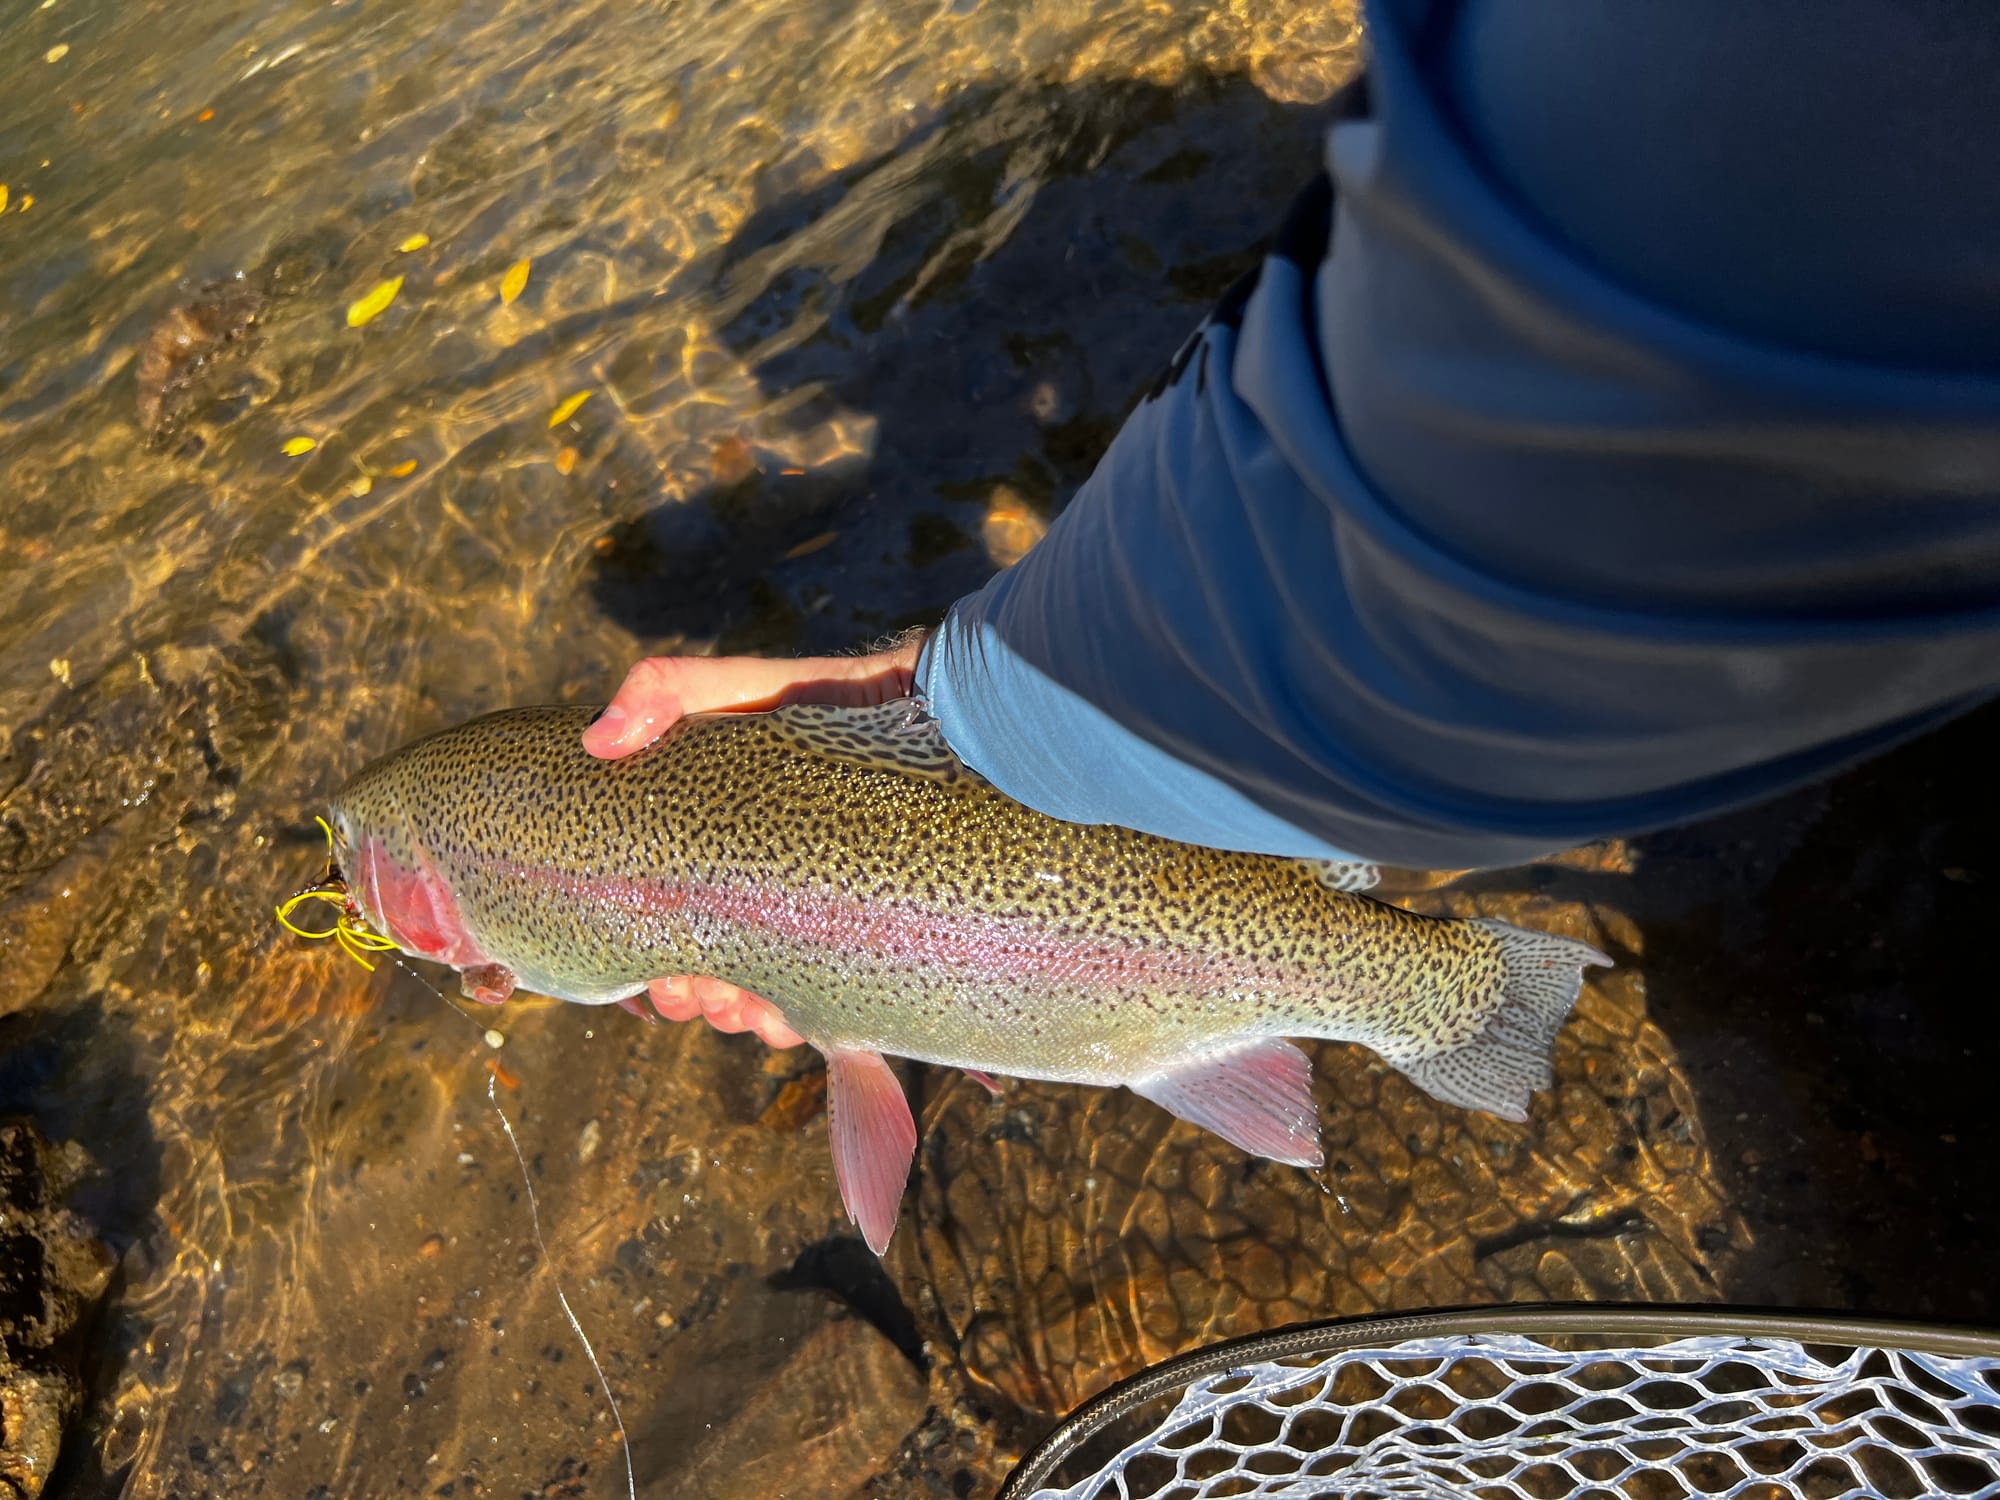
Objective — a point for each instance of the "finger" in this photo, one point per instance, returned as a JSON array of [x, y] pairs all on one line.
[[646, 705], [731, 1009], [774, 1033], [672, 999], [725, 1007]]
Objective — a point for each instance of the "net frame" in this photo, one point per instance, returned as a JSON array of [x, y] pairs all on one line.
[[1829, 1406]]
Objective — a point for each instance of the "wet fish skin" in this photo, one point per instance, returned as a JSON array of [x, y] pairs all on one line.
[[844, 865]]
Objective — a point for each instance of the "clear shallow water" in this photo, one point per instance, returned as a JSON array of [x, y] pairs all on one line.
[[858, 294]]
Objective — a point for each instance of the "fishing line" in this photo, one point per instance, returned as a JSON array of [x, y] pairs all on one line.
[[535, 1217], [357, 940], [541, 1244]]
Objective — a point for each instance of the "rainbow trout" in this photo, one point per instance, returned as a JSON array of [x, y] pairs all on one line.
[[845, 865]]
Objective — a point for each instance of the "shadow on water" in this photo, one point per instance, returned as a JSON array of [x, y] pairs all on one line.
[[1819, 961], [1825, 965], [84, 1084], [1048, 254]]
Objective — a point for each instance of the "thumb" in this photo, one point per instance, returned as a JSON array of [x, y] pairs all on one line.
[[660, 689]]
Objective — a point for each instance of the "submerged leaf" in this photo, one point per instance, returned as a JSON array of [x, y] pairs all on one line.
[[812, 544], [514, 282], [402, 470], [414, 242], [566, 461], [370, 306], [3, 197], [568, 409], [295, 446]]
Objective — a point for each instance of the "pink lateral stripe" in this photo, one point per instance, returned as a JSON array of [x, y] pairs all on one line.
[[983, 944]]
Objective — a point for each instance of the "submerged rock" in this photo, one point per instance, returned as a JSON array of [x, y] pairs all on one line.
[[53, 1270], [184, 346]]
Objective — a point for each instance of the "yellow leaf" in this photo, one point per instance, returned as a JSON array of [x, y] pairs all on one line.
[[812, 544], [3, 197], [568, 409], [27, 201], [1011, 527], [404, 469], [359, 487], [566, 461], [295, 446], [370, 306], [514, 282], [414, 242], [56, 53]]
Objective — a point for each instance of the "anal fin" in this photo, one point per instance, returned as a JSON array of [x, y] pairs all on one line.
[[1257, 1095], [874, 1138]]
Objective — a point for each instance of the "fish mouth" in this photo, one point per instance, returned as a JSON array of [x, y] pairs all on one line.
[[333, 883]]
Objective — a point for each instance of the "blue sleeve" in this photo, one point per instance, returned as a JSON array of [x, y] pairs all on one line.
[[1492, 517]]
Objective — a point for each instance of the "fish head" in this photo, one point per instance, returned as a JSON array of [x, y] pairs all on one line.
[[393, 883]]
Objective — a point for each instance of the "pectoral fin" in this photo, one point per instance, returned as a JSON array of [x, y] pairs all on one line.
[[1257, 1095], [637, 1005], [489, 984], [874, 1138]]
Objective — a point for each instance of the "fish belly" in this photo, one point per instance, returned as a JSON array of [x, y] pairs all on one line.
[[1020, 1012]]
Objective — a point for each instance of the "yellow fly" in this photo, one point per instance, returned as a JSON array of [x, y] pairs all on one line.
[[356, 939]]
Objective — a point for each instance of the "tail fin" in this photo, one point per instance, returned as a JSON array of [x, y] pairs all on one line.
[[1508, 1059]]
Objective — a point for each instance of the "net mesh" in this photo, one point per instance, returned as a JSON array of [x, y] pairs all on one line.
[[1509, 1415]]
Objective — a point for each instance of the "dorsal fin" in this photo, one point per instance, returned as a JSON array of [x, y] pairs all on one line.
[[1350, 876], [899, 735]]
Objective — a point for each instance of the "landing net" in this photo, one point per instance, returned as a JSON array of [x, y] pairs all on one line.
[[1592, 1402]]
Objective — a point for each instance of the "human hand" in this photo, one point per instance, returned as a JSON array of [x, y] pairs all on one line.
[[660, 689]]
